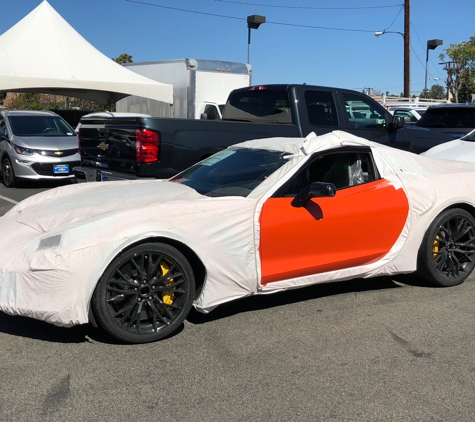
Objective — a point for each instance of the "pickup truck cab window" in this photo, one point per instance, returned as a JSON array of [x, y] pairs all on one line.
[[362, 114], [321, 108], [259, 105]]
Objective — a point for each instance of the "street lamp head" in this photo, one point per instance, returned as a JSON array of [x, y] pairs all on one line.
[[432, 44], [254, 21], [379, 33]]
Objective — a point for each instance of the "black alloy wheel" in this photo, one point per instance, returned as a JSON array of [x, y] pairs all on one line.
[[9, 179], [447, 254], [145, 294]]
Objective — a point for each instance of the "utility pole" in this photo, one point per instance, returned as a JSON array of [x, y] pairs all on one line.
[[407, 48]]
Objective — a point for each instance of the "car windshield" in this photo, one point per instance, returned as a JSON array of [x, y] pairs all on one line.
[[232, 172], [40, 125], [456, 117]]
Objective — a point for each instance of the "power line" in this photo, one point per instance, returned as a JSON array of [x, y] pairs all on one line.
[[307, 7], [244, 19]]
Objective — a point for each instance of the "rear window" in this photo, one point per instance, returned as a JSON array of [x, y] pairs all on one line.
[[450, 117], [259, 106], [40, 126]]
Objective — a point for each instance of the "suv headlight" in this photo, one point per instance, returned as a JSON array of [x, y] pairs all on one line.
[[22, 150]]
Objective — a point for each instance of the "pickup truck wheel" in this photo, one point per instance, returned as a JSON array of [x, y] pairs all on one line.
[[9, 179], [447, 254], [145, 294]]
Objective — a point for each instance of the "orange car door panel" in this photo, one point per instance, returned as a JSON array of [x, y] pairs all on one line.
[[357, 226]]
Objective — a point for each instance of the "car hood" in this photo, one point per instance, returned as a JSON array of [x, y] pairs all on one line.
[[72, 204], [454, 150], [421, 138], [452, 132], [46, 142]]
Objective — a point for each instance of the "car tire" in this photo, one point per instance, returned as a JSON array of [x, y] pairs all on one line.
[[145, 294], [9, 179], [446, 256]]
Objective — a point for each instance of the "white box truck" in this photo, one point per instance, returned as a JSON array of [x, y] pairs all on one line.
[[201, 87]]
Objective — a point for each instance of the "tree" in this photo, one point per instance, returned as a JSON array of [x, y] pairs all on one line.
[[3, 95], [123, 58], [33, 101], [460, 68], [437, 92]]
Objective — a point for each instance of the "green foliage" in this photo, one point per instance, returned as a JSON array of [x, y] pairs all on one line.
[[34, 101], [123, 58], [460, 68], [437, 92]]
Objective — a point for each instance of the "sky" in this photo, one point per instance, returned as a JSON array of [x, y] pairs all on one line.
[[327, 43]]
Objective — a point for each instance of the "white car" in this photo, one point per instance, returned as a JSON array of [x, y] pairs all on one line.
[[462, 149], [260, 217]]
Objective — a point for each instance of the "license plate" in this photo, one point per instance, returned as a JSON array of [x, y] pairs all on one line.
[[61, 168]]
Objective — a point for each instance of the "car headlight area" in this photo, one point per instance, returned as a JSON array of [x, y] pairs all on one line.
[[47, 282]]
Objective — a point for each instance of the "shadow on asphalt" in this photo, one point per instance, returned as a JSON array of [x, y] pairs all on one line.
[[260, 302], [41, 184], [39, 330]]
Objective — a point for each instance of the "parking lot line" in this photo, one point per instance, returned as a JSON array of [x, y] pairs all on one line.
[[8, 199]]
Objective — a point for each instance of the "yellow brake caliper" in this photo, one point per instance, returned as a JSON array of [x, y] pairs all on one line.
[[167, 297], [435, 249]]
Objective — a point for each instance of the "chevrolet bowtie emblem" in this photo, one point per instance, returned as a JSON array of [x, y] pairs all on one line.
[[58, 153], [103, 146]]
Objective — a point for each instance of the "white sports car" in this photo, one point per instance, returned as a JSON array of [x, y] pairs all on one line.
[[259, 217], [462, 149]]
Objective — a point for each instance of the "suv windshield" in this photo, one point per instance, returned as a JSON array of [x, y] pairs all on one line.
[[450, 117], [232, 172], [45, 125]]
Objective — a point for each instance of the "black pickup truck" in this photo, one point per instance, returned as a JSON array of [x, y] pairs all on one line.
[[132, 147]]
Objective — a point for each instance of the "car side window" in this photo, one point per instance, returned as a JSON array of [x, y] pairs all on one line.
[[343, 169], [321, 108], [363, 114]]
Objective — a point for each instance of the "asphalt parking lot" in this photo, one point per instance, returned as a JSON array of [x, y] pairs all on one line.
[[384, 349]]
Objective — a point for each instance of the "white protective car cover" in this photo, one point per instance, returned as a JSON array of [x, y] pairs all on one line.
[[459, 150], [57, 244]]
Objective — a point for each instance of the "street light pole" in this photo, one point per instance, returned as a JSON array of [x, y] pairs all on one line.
[[253, 22], [407, 89], [407, 46], [431, 45]]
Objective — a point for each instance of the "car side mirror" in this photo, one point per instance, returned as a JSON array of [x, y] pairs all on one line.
[[397, 123], [204, 116], [313, 190]]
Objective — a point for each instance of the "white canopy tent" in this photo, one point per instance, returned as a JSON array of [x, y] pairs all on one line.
[[43, 53]]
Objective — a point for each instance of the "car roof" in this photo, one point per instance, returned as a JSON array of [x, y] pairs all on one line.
[[409, 108], [452, 105], [28, 113]]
